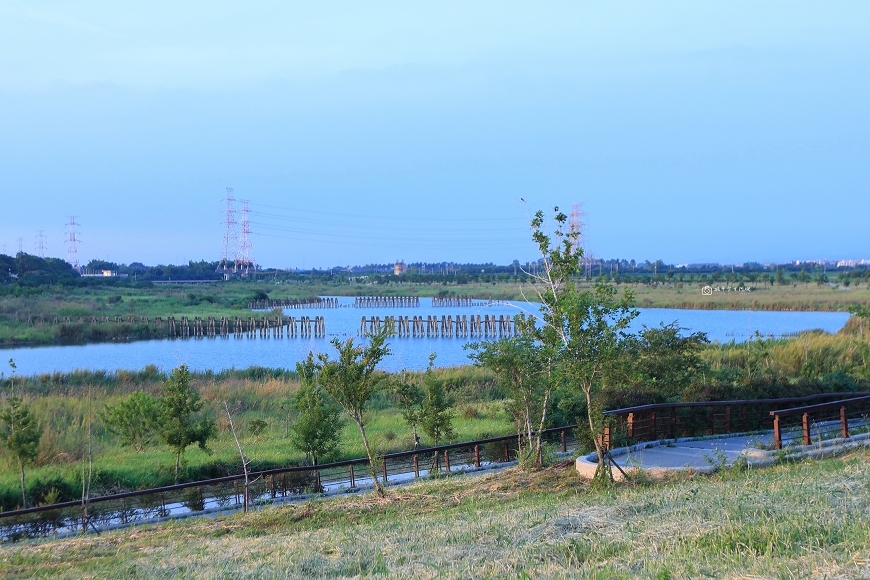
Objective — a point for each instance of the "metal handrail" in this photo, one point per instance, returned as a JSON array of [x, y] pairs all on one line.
[[819, 407], [655, 406], [268, 472]]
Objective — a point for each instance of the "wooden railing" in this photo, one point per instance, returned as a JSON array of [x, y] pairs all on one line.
[[264, 486], [826, 420], [675, 420]]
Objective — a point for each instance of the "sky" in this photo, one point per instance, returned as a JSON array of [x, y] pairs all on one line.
[[371, 132]]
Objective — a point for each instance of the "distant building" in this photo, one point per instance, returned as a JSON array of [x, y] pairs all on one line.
[[104, 274], [399, 268]]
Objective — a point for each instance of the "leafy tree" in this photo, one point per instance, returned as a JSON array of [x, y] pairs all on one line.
[[317, 431], [351, 381], [179, 426], [436, 416], [520, 365], [135, 420], [585, 330], [21, 436], [662, 361], [409, 398]]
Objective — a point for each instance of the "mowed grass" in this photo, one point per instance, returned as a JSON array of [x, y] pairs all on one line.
[[805, 520]]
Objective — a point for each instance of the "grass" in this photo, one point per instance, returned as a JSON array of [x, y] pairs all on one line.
[[810, 519], [62, 413], [801, 297]]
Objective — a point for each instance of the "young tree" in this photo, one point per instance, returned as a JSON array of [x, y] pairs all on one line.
[[135, 420], [351, 381], [585, 330], [521, 365], [317, 431], [410, 398], [179, 426], [436, 416], [21, 436]]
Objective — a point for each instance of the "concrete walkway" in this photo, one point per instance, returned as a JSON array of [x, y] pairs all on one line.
[[705, 455]]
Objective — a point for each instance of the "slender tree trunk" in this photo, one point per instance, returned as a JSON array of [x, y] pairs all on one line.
[[378, 487], [538, 458], [23, 495], [598, 450], [177, 462]]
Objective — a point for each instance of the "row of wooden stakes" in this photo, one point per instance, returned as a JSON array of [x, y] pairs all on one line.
[[184, 326], [501, 326]]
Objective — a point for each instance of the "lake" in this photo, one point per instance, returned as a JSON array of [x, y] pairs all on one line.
[[411, 353]]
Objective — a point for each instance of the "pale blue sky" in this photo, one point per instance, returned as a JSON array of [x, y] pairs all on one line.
[[695, 131]]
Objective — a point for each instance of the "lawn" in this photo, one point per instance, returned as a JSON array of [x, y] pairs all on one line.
[[804, 520]]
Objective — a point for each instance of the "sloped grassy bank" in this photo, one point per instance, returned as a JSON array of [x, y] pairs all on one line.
[[810, 519]]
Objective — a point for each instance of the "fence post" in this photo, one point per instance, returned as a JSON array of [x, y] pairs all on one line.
[[652, 420], [728, 419], [606, 440], [416, 466], [507, 453], [806, 426], [564, 443], [844, 422], [477, 454], [673, 422], [692, 423], [352, 481], [777, 433], [447, 460], [384, 465], [630, 425]]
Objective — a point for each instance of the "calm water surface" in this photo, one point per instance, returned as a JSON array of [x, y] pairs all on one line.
[[412, 353]]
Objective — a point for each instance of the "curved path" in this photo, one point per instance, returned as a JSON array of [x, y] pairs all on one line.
[[705, 455]]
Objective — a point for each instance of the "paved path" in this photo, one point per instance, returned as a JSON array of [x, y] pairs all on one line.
[[706, 455]]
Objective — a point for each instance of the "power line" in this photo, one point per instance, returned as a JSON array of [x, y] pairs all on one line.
[[374, 217]]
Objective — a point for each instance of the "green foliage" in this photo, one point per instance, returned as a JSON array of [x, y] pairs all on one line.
[[317, 430], [655, 366], [135, 420], [179, 426], [20, 434], [409, 398], [257, 427], [519, 363], [435, 415], [585, 331], [351, 381]]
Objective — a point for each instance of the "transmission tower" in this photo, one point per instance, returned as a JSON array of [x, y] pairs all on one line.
[[72, 241], [20, 245], [228, 256], [41, 246], [245, 256], [577, 224]]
